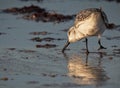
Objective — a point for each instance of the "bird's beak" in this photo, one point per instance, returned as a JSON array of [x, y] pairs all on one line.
[[66, 45]]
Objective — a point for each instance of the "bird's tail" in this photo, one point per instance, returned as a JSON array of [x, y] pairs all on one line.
[[112, 26]]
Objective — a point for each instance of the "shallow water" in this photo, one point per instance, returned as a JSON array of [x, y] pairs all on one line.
[[28, 66]]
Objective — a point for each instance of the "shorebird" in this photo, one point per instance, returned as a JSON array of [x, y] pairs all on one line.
[[88, 22]]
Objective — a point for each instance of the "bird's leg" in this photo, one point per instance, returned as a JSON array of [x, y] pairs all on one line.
[[101, 47], [87, 51], [99, 42], [66, 45], [87, 59]]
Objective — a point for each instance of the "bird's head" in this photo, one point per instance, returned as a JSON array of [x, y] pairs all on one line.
[[74, 34]]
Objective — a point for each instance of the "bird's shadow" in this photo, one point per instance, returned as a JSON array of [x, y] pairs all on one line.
[[86, 70]]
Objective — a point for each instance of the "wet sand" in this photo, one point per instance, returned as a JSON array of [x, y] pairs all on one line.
[[30, 51]]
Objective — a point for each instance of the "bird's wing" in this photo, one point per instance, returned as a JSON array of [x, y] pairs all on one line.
[[84, 14]]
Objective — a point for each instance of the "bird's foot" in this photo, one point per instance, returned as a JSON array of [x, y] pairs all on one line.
[[87, 52], [101, 47]]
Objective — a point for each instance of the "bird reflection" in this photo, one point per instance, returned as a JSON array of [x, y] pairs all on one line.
[[84, 73]]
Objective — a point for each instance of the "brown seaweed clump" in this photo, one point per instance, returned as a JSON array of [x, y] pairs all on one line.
[[39, 14], [1, 33], [33, 0], [40, 33], [24, 10], [48, 17], [118, 1], [46, 46], [47, 39]]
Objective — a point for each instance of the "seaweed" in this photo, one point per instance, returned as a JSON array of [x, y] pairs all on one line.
[[37, 13]]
